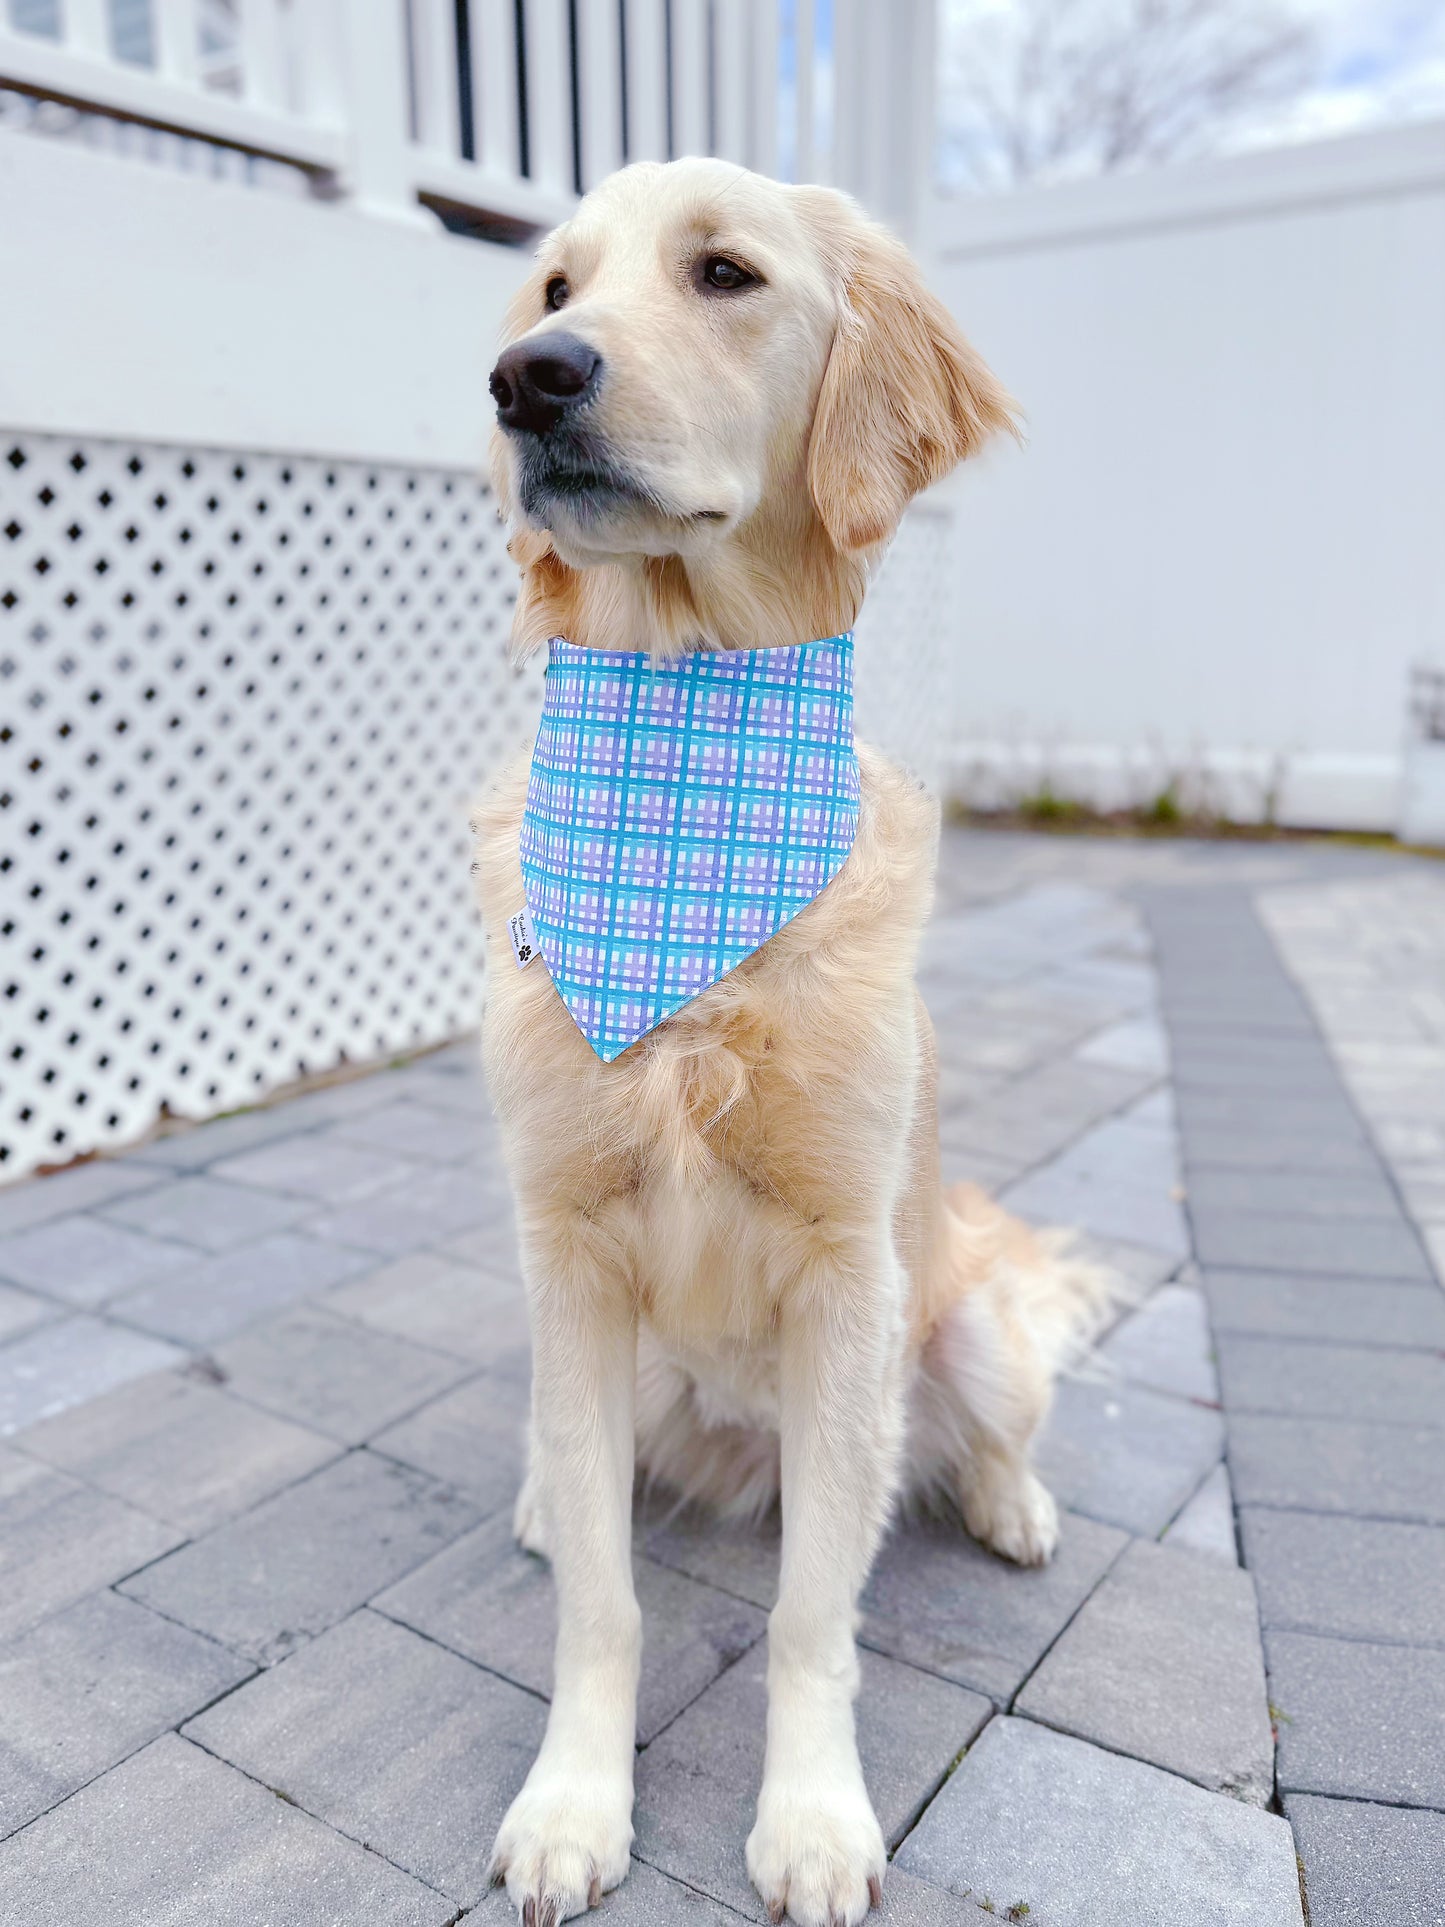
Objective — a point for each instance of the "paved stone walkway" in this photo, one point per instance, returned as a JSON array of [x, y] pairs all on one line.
[[269, 1654]]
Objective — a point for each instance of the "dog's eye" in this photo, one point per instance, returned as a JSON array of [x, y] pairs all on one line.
[[726, 276], [557, 291]]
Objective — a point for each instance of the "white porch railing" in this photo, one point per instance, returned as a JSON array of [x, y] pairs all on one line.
[[253, 593], [502, 110]]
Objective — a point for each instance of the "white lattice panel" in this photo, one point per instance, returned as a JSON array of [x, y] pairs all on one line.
[[244, 701]]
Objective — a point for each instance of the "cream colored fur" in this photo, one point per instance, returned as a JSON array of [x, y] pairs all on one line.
[[744, 1276]]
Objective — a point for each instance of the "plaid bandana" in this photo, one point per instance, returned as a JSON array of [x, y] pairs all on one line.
[[678, 815]]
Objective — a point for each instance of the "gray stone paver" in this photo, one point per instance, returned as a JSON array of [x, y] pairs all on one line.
[[82, 1690], [1127, 1455], [1350, 1247], [1369, 1866], [334, 1375], [1359, 1578], [697, 1785], [22, 1311], [391, 1739], [1085, 1838], [473, 1438], [1045, 1109], [1328, 1465], [388, 1307], [318, 1165], [70, 1361], [1163, 1663], [934, 1599], [221, 1295], [1277, 1305], [420, 1211], [412, 1129], [1360, 1720], [939, 1601], [67, 1192], [206, 1212], [1332, 1381], [62, 1540], [1318, 1195], [441, 1301], [180, 1450], [264, 1583], [1331, 1370], [1248, 1141], [490, 1601], [1166, 1346], [1206, 1523], [1119, 1180], [173, 1837], [86, 1261], [646, 1898]]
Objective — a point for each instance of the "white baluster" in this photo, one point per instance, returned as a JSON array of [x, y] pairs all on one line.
[[647, 81], [321, 62], [690, 132], [372, 53], [856, 84], [915, 109], [177, 45], [805, 157], [263, 55], [434, 56], [763, 95], [85, 28], [549, 95], [732, 78], [599, 61], [494, 87]]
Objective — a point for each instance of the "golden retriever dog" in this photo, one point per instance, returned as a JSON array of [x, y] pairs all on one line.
[[745, 1279]]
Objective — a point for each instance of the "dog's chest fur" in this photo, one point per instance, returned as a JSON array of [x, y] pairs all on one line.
[[759, 1135]]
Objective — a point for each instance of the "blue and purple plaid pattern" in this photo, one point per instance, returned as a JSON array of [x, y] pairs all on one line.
[[678, 815]]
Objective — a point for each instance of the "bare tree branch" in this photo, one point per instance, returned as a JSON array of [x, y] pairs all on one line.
[[1051, 89]]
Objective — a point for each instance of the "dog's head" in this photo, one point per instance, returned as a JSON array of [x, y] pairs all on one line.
[[702, 354]]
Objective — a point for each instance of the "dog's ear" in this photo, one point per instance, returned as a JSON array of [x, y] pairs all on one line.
[[904, 397]]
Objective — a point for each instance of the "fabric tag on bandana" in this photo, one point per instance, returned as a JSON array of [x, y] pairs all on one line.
[[679, 813], [524, 938]]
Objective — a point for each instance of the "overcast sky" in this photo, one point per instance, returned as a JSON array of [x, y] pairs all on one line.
[[1370, 63], [1380, 60]]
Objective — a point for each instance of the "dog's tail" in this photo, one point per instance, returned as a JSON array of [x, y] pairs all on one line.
[[1012, 1308], [1037, 1283]]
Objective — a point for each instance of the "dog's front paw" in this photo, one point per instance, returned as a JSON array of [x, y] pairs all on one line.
[[1013, 1514], [563, 1844], [816, 1854]]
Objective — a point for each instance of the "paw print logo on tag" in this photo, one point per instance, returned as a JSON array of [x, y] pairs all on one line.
[[524, 938]]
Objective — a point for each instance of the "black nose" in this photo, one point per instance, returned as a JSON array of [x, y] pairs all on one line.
[[535, 382]]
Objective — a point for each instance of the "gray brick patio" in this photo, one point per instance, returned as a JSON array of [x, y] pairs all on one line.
[[269, 1653]]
